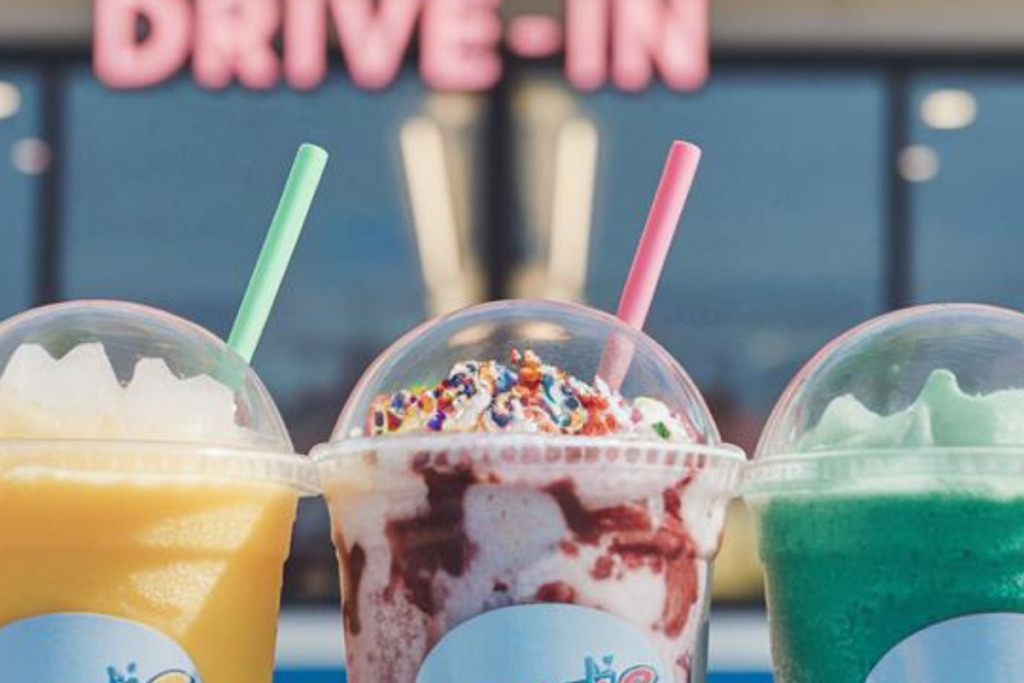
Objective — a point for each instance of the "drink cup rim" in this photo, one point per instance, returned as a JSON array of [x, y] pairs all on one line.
[[516, 451], [882, 470], [148, 460]]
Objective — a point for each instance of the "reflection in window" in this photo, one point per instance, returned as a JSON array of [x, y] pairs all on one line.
[[170, 194], [780, 247], [171, 190], [24, 157], [781, 244], [966, 198]]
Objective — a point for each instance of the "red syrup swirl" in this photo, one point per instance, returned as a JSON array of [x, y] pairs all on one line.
[[633, 542], [354, 563], [436, 541]]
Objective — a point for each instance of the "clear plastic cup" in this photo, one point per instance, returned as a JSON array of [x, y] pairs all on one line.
[[148, 489], [481, 556], [888, 491]]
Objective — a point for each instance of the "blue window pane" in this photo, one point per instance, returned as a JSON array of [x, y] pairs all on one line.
[[171, 190], [780, 248], [23, 158], [966, 198]]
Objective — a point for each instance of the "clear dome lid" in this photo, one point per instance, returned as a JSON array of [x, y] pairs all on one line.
[[592, 347], [933, 379], [99, 369]]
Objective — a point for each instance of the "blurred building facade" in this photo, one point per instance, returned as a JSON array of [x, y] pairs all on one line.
[[861, 155]]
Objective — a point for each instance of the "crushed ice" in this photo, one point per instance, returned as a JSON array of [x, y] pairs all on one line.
[[79, 396]]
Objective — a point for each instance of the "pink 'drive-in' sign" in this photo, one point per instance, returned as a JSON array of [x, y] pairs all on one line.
[[461, 43]]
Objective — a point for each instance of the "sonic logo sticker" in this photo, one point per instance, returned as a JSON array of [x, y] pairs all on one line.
[[607, 673], [114, 676], [90, 648], [173, 677], [544, 644], [979, 647]]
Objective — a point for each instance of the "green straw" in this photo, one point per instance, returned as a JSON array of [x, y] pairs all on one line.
[[277, 250]]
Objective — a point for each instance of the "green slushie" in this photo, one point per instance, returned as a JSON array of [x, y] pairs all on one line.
[[890, 504]]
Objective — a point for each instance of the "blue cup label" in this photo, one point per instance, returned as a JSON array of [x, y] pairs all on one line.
[[544, 644], [90, 648], [980, 647]]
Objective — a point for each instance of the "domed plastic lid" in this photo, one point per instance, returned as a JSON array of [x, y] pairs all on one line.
[[926, 387], [102, 377], [513, 368]]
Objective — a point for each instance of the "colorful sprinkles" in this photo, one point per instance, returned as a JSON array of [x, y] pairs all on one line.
[[525, 395]]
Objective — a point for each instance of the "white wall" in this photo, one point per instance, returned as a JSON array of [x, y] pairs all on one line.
[[994, 25], [48, 22], [766, 24]]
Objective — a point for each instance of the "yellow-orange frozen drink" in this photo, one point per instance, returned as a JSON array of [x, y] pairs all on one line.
[[147, 495]]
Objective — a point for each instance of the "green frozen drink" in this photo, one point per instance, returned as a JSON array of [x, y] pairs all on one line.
[[889, 497]]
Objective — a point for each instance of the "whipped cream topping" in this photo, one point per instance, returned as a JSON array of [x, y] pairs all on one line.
[[525, 395]]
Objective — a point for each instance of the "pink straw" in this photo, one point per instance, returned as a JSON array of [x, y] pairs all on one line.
[[642, 283], [667, 210]]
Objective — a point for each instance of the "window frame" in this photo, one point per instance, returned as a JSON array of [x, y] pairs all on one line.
[[898, 69]]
